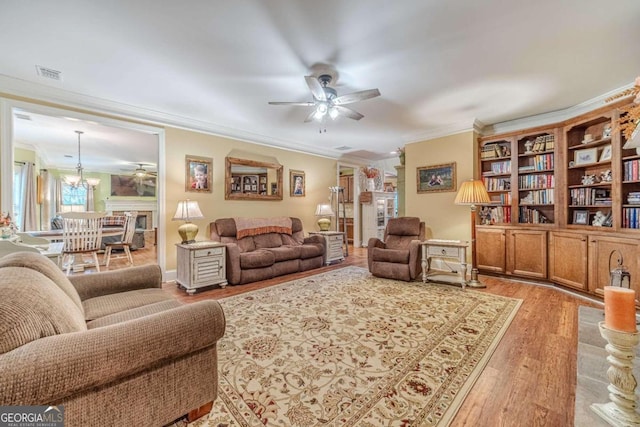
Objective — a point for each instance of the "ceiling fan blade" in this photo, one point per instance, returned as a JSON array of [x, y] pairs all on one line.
[[356, 96], [300, 104], [310, 116], [348, 112], [316, 88]]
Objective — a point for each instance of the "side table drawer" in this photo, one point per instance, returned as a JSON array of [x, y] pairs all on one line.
[[443, 251], [201, 253]]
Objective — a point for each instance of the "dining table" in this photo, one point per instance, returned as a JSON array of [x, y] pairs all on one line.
[[56, 235]]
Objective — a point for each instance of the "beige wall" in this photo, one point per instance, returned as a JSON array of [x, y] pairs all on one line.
[[445, 219], [320, 174]]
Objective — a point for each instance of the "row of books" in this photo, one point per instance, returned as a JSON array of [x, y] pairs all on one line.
[[532, 216], [536, 181], [495, 215], [494, 151], [633, 198], [631, 218], [630, 168], [538, 197], [499, 168], [501, 199], [543, 143], [497, 184], [589, 197]]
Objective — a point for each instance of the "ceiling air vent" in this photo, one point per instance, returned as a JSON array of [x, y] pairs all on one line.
[[22, 116], [343, 148], [48, 73]]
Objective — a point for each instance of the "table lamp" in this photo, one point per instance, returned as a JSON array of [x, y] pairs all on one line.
[[473, 192], [188, 210], [322, 212]]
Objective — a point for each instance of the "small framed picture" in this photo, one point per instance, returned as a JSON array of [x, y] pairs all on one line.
[[198, 171], [296, 183], [581, 217], [606, 153], [586, 156]]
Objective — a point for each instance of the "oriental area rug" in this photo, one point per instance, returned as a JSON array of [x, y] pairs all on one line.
[[344, 348]]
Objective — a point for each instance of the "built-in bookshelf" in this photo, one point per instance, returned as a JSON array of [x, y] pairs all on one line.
[[495, 157], [536, 178]]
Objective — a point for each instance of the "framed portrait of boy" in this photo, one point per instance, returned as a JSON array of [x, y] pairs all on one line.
[[296, 183], [198, 172]]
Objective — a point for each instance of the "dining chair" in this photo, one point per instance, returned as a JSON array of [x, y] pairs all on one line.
[[81, 235], [125, 242]]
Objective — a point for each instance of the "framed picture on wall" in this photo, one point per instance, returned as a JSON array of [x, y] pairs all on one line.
[[198, 171], [296, 183], [436, 178]]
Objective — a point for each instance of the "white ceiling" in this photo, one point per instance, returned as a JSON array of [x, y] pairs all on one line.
[[213, 65]]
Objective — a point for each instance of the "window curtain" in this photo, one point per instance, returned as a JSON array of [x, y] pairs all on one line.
[[26, 202], [47, 196], [57, 196], [90, 205]]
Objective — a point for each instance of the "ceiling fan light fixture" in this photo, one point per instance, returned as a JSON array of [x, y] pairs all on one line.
[[334, 113]]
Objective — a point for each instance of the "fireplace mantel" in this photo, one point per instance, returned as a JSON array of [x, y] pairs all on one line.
[[134, 205]]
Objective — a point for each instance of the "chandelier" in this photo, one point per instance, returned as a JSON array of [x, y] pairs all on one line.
[[77, 181]]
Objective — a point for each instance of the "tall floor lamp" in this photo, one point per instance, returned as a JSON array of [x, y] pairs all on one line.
[[473, 192]]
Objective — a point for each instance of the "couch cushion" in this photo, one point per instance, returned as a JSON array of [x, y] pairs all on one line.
[[256, 259], [390, 255], [285, 253], [400, 242], [404, 226], [105, 305], [46, 266], [310, 250], [268, 240], [296, 238], [32, 307], [133, 313]]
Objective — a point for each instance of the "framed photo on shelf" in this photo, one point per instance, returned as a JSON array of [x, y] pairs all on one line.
[[581, 217], [606, 153], [198, 172], [436, 178], [586, 156], [296, 183]]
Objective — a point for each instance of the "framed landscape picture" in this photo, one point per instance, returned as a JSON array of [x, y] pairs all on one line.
[[436, 178]]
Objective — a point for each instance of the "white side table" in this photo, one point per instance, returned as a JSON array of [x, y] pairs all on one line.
[[435, 248], [201, 264], [334, 241]]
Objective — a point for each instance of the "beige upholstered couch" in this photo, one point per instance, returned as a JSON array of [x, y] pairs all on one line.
[[262, 248], [112, 347]]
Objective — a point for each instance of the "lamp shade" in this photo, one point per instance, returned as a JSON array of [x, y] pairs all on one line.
[[188, 210], [324, 210], [472, 192]]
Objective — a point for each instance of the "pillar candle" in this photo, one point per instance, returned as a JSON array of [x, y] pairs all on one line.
[[620, 309]]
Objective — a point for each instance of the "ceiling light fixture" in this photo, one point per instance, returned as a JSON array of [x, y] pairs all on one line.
[[77, 181]]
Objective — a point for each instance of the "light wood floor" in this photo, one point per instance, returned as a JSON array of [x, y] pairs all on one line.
[[531, 377]]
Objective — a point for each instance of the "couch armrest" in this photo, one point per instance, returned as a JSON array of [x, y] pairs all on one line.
[[374, 242], [48, 370], [415, 258], [112, 282], [234, 272], [315, 239]]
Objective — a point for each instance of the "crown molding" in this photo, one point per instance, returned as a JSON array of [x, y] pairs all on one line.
[[63, 98], [442, 131], [553, 116]]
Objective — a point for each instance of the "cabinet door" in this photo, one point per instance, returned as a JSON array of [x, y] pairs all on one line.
[[490, 249], [568, 259], [600, 247], [527, 253]]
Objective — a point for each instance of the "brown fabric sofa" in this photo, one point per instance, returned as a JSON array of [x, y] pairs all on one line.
[[264, 254], [112, 347], [399, 256]]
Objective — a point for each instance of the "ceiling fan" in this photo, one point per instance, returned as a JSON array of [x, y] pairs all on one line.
[[141, 172], [327, 102]]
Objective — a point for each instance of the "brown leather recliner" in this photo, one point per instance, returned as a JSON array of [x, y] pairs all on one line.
[[399, 256]]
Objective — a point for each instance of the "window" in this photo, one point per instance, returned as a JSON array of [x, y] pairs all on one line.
[[73, 198]]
